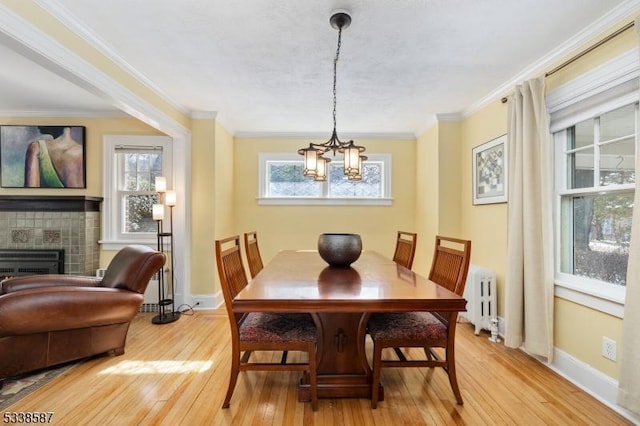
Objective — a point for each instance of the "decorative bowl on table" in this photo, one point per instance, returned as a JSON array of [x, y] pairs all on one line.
[[339, 250]]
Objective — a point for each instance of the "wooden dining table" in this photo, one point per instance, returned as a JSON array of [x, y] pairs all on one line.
[[343, 299]]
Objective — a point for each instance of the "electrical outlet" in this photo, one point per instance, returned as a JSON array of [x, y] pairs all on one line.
[[609, 348]]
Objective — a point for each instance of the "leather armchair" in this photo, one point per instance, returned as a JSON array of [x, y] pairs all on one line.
[[52, 319]]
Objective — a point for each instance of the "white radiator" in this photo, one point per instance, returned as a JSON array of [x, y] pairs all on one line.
[[480, 292], [150, 294]]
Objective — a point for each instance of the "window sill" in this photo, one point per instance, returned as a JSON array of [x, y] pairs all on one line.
[[116, 245], [592, 295], [310, 201]]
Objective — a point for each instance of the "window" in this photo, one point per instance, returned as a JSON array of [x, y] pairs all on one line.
[[594, 121], [282, 182], [131, 166]]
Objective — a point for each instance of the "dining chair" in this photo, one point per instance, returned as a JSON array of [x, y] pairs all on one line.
[[427, 330], [253, 253], [405, 248], [258, 331]]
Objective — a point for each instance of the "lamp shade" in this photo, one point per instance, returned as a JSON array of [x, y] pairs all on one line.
[[158, 211], [161, 184], [170, 198]]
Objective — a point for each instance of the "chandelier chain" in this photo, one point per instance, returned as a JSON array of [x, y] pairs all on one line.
[[335, 73]]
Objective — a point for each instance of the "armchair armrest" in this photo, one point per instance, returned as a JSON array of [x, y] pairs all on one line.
[[60, 308], [48, 280]]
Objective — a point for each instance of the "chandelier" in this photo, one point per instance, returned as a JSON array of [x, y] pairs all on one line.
[[315, 164]]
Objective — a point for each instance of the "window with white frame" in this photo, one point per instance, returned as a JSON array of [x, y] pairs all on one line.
[[595, 134], [281, 182], [131, 165]]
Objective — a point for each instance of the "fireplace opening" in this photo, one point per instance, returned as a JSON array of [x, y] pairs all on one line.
[[16, 262]]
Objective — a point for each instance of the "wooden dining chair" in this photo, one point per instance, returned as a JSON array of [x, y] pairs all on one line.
[[253, 253], [427, 330], [257, 331], [405, 249]]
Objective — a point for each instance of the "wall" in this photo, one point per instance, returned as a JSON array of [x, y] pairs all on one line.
[[298, 227]]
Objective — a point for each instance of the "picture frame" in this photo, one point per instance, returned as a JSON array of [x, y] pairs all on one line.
[[42, 156], [490, 171]]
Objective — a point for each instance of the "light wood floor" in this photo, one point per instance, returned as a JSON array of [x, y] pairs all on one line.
[[177, 374]]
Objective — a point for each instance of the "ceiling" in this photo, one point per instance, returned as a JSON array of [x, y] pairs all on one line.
[[265, 66]]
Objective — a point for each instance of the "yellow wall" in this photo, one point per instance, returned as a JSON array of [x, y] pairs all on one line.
[[298, 227], [485, 225]]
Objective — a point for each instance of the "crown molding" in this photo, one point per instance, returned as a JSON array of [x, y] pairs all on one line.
[[454, 116], [63, 114], [323, 135], [34, 44], [59, 12], [606, 22], [203, 115]]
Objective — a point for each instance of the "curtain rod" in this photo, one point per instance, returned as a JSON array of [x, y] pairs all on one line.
[[584, 52], [590, 48]]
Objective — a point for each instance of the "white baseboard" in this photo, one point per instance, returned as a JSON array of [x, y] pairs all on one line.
[[207, 301], [590, 380]]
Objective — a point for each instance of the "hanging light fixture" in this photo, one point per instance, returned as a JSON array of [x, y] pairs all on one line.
[[315, 165]]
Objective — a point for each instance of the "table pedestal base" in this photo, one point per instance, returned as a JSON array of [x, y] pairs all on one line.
[[337, 387]]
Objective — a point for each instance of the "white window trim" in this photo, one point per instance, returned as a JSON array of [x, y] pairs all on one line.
[[111, 237], [264, 157], [605, 88]]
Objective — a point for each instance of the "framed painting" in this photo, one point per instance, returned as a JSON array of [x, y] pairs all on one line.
[[42, 157], [490, 172]]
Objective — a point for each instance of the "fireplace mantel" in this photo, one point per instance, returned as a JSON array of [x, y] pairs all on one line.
[[49, 203]]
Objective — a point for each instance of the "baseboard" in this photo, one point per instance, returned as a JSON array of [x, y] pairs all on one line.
[[207, 301], [590, 380]]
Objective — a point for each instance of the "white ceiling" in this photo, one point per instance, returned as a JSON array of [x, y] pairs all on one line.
[[266, 65]]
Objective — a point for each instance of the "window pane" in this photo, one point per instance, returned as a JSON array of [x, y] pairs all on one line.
[[137, 213], [617, 162], [597, 245], [580, 169], [369, 187], [580, 135], [140, 170], [285, 179], [618, 123]]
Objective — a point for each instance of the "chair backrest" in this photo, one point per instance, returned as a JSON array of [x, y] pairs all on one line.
[[450, 263], [253, 253], [233, 277], [405, 249], [132, 268]]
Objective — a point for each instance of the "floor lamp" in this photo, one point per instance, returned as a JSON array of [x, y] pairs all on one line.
[[165, 316]]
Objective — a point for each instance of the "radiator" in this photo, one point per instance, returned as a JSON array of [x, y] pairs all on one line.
[[150, 302], [480, 293]]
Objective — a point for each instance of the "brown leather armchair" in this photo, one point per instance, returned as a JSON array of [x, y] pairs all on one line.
[[52, 319]]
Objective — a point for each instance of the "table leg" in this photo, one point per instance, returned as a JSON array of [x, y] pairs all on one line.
[[343, 370]]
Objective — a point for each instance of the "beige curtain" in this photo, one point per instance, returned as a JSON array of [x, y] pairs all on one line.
[[629, 384], [529, 280]]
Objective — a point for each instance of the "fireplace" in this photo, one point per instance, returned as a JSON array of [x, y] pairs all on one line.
[[14, 263], [67, 226]]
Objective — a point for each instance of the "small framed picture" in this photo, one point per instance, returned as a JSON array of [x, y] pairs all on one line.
[[42, 157], [490, 172]]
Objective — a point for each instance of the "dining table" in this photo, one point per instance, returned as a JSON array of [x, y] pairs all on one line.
[[343, 298]]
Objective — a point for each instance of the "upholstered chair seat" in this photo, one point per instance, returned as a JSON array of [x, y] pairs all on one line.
[[422, 326], [284, 328]]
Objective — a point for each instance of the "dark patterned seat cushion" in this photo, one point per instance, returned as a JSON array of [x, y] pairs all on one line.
[[406, 325], [267, 327]]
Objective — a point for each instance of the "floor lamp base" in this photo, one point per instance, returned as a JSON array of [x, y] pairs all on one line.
[[165, 318]]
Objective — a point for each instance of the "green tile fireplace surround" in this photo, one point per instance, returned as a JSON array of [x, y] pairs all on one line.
[[54, 222]]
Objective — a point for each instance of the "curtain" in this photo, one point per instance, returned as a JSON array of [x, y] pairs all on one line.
[[529, 277], [629, 384]]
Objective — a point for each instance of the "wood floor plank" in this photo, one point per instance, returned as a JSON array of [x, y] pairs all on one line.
[[178, 373]]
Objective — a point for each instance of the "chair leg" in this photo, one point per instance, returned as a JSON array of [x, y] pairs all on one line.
[[313, 377], [451, 371], [375, 379], [233, 378]]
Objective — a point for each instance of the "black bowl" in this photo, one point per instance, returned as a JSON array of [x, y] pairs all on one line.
[[339, 250]]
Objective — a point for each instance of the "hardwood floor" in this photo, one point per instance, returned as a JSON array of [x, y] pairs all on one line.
[[178, 374]]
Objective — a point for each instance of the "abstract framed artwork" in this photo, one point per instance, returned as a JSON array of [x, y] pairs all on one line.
[[490, 172], [42, 157]]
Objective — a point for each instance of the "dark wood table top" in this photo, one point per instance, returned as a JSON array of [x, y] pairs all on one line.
[[300, 281]]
